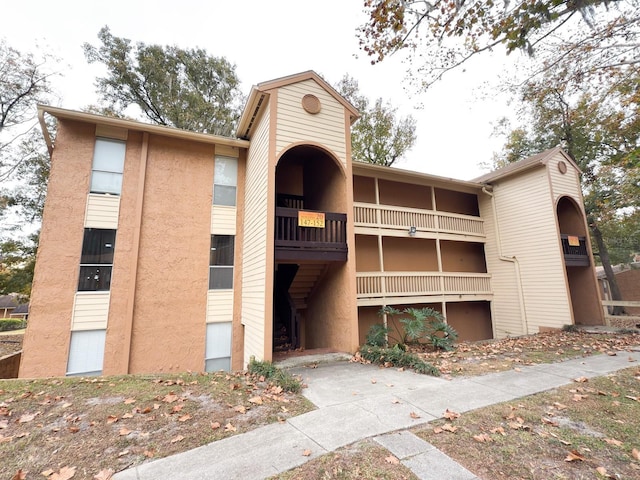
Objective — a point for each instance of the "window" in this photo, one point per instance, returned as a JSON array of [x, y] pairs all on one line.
[[97, 259], [108, 165], [86, 352], [218, 347], [221, 262], [225, 180]]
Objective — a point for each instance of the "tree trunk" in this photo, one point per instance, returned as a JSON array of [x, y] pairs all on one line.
[[606, 263]]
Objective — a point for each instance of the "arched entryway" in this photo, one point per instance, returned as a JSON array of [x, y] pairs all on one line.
[[586, 307], [310, 274]]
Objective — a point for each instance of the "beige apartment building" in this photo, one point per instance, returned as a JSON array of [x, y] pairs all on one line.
[[165, 250]]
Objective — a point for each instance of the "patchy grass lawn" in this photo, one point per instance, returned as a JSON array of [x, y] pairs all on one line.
[[587, 430], [479, 358], [54, 427], [361, 461]]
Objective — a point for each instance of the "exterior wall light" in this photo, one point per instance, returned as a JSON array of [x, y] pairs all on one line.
[[412, 231]]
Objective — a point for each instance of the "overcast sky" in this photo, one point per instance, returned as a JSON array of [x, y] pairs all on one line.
[[268, 39]]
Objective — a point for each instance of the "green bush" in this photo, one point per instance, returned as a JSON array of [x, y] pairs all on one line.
[[8, 324], [398, 358], [270, 372], [418, 324]]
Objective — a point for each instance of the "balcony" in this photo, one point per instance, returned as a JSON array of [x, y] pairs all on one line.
[[401, 218], [327, 243], [575, 250], [410, 286]]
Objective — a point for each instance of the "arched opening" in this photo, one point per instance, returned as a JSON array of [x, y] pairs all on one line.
[[580, 279], [310, 250]]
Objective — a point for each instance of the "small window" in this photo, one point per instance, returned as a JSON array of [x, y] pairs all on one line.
[[218, 347], [108, 165], [86, 352], [225, 181], [96, 261], [221, 262]]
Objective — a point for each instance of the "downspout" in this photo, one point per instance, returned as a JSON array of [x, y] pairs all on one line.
[[511, 259]]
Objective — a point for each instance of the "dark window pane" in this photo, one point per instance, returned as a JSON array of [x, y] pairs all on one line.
[[98, 246], [220, 278], [221, 250], [94, 278]]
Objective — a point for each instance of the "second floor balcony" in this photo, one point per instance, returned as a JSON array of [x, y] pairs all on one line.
[[310, 235], [575, 251]]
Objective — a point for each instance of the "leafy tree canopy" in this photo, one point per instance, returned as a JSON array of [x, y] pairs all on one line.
[[443, 34], [183, 88], [378, 137]]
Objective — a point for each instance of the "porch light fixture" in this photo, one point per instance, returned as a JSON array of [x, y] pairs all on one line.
[[412, 231]]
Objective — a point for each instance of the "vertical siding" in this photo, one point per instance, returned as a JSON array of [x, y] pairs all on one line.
[[567, 184], [90, 311], [102, 211], [527, 222], [219, 306], [254, 258], [506, 312], [223, 220], [296, 125]]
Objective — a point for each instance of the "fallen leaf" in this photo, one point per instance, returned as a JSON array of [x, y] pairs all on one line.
[[170, 398], [240, 408], [20, 475], [548, 421], [123, 453], [306, 453], [256, 400], [47, 473], [104, 474], [177, 408], [127, 415], [635, 453], [179, 438], [573, 456], [184, 418], [499, 430], [449, 428], [581, 379], [229, 428], [4, 424], [215, 425], [65, 474], [437, 430], [124, 431], [414, 415], [483, 438], [27, 417], [395, 400], [148, 453], [612, 441], [392, 460], [129, 401], [450, 415], [111, 419]]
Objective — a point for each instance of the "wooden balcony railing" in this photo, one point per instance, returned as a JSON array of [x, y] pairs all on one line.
[[575, 250], [415, 284], [387, 216], [293, 242]]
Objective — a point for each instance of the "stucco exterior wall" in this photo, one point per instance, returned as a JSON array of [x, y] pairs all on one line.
[[409, 254], [364, 189], [46, 341], [462, 257], [472, 320], [456, 202], [404, 194], [367, 255]]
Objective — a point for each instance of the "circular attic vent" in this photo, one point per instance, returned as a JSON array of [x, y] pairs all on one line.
[[311, 104], [562, 167]]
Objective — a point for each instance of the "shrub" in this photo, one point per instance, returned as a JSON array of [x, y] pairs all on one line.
[[270, 372], [398, 358], [419, 324], [8, 324]]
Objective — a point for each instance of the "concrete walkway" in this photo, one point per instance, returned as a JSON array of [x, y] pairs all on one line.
[[364, 401]]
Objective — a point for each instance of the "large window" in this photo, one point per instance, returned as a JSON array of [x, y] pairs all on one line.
[[108, 165], [221, 262], [86, 352], [225, 181], [218, 347], [97, 259]]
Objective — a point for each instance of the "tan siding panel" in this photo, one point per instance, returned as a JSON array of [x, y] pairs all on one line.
[[567, 184], [90, 311], [102, 211], [254, 250], [227, 151], [528, 231], [219, 306], [223, 220], [295, 125]]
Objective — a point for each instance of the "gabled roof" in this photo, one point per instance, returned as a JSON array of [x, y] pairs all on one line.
[[8, 301], [260, 92], [525, 164]]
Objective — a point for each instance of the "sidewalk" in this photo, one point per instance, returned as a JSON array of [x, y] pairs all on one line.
[[364, 401]]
